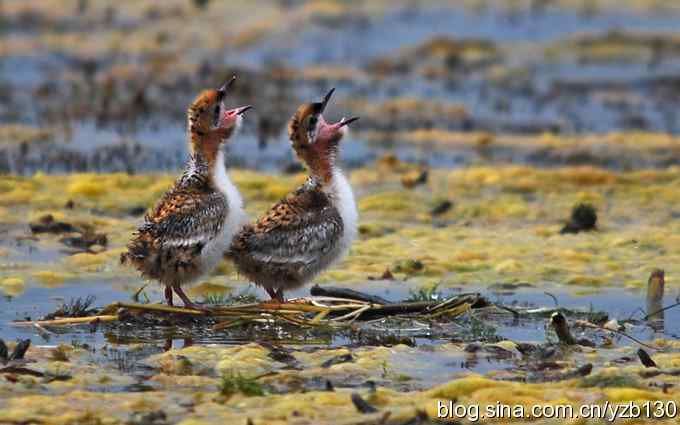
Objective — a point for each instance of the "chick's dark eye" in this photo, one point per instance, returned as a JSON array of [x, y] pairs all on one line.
[[312, 122], [216, 114]]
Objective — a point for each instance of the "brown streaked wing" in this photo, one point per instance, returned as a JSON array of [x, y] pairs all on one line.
[[187, 217], [296, 230]]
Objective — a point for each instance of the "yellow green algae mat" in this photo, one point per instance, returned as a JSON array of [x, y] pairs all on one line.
[[522, 150], [501, 236]]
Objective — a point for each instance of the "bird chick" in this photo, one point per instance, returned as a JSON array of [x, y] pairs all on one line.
[[313, 226], [184, 235]]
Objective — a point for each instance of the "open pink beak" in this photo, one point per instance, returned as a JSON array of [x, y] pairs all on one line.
[[333, 131], [230, 115], [345, 121]]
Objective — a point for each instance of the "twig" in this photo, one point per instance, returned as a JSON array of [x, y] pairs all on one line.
[[557, 304], [661, 310], [135, 296], [353, 314], [67, 321], [461, 298], [42, 331], [227, 324], [594, 326], [454, 311], [516, 314], [331, 291], [320, 316], [156, 307], [21, 371]]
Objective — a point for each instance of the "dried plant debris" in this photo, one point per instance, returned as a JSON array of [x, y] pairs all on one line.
[[414, 178], [329, 291], [362, 405], [561, 327], [645, 359], [583, 219], [81, 237], [20, 350], [4, 352], [85, 241], [47, 224], [75, 307], [156, 417], [548, 376], [344, 358], [441, 207], [13, 363]]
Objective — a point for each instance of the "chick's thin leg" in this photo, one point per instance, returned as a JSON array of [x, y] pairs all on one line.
[[187, 302], [276, 295], [168, 295]]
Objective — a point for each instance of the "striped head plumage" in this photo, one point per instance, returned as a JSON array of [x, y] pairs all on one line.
[[211, 123], [316, 141]]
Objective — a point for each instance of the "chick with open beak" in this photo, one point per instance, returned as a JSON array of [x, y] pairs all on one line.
[[313, 226], [184, 235]]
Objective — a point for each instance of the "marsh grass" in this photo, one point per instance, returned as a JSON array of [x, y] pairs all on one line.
[[479, 330], [219, 298], [75, 307], [426, 293], [610, 381], [60, 354], [233, 383]]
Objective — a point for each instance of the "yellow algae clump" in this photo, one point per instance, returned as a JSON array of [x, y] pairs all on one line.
[[621, 395], [392, 202], [19, 133], [465, 256], [12, 286], [248, 361], [195, 360], [84, 185], [465, 387], [586, 280], [20, 193], [87, 262], [52, 278], [509, 266], [669, 360], [587, 176]]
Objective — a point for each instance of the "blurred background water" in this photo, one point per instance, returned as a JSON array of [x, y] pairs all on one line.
[[103, 86]]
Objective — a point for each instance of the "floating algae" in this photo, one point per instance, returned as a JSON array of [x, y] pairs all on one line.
[[474, 243]]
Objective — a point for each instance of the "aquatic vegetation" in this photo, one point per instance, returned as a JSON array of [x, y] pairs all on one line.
[[221, 298], [12, 285], [396, 227], [14, 134], [439, 57], [583, 218], [618, 45], [235, 383]]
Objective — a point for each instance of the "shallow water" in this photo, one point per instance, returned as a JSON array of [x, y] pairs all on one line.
[[621, 304]]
